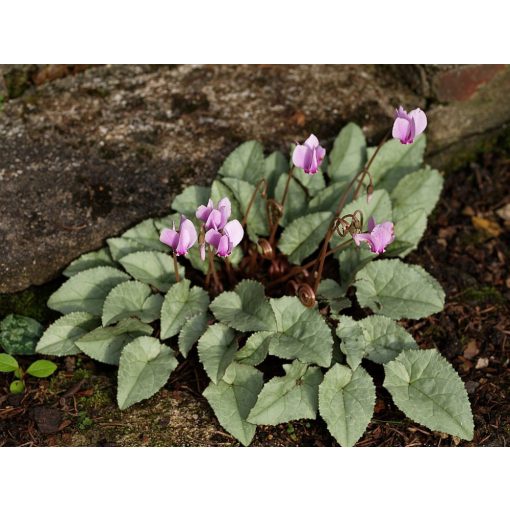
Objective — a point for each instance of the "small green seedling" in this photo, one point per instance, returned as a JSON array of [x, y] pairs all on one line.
[[40, 368]]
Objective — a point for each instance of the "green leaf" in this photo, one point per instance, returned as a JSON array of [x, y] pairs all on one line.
[[7, 363], [152, 267], [408, 232], [275, 165], [244, 309], [193, 329], [256, 223], [291, 397], [233, 398], [97, 258], [418, 190], [328, 199], [59, 339], [216, 350], [334, 295], [398, 290], [180, 304], [314, 183], [86, 291], [255, 350], [188, 201], [304, 236], [296, 201], [120, 247], [349, 154], [301, 333], [144, 368], [429, 391], [41, 368], [19, 334], [376, 337], [246, 163], [346, 402], [106, 344], [17, 387], [131, 299], [146, 234], [395, 161]]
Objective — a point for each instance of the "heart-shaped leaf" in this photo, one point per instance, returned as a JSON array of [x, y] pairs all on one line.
[[244, 309], [97, 258], [346, 402], [349, 154], [398, 290], [246, 162], [255, 350], [131, 299], [59, 339], [152, 267], [216, 350], [233, 398], [429, 391], [181, 302], [193, 329], [304, 236], [41, 368], [106, 344], [19, 334], [86, 291], [378, 338], [301, 333], [144, 368], [291, 397]]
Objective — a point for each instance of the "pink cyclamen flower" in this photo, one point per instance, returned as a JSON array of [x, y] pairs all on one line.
[[378, 237], [227, 239], [309, 156], [408, 126], [215, 217], [182, 240]]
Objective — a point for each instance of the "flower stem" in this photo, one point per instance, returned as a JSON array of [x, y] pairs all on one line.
[[176, 268], [262, 182], [360, 175], [212, 270], [282, 204]]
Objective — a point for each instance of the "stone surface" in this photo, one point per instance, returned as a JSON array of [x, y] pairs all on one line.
[[87, 152]]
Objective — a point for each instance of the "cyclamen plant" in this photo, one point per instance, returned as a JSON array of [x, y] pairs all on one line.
[[303, 263]]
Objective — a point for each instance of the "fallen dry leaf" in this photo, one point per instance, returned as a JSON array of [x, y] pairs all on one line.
[[487, 226], [471, 350]]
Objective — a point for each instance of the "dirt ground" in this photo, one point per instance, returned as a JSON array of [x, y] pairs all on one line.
[[466, 247]]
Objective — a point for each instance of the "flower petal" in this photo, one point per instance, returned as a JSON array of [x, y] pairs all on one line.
[[213, 237], [225, 203], [203, 212], [358, 238], [224, 246], [235, 232], [401, 129], [371, 223], [302, 156], [169, 237], [420, 120], [312, 142], [190, 230]]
